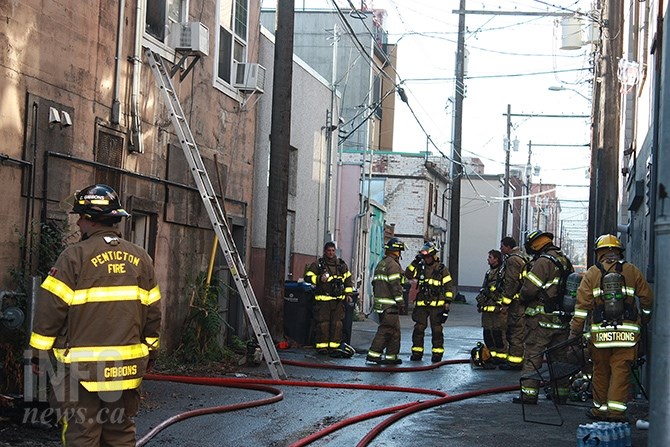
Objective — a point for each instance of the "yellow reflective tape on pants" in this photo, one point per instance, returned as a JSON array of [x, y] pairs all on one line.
[[41, 342], [113, 385], [153, 343], [616, 406], [102, 353]]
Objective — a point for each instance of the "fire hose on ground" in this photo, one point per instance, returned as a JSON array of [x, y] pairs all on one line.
[[397, 412]]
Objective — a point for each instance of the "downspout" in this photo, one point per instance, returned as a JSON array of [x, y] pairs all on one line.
[[30, 205], [136, 139], [116, 102]]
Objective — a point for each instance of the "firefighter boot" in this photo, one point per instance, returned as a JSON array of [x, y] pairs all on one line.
[[416, 357], [391, 361], [436, 358]]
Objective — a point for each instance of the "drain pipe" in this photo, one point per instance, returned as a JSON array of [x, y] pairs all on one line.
[[116, 102], [136, 139]]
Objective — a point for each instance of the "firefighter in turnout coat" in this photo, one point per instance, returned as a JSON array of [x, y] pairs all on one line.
[[432, 301], [334, 286], [606, 301], [387, 285], [494, 313], [545, 323], [513, 267], [98, 313]]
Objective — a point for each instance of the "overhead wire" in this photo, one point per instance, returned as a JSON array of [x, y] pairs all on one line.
[[370, 59]]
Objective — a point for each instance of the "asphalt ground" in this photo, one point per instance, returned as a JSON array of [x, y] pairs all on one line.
[[489, 419], [321, 392]]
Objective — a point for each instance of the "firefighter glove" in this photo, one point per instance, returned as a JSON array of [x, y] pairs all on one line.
[[444, 316]]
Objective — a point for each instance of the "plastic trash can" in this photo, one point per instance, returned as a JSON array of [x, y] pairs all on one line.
[[298, 299]]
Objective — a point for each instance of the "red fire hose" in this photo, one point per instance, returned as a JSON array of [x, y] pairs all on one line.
[[264, 385]]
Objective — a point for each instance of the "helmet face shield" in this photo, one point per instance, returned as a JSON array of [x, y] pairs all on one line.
[[537, 240], [67, 204], [428, 249]]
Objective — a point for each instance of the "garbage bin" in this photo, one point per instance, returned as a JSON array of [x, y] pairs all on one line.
[[298, 299], [348, 321]]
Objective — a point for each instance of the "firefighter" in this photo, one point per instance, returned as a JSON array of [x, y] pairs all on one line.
[[513, 268], [334, 287], [494, 313], [98, 313], [432, 301], [387, 285], [607, 299], [546, 324]]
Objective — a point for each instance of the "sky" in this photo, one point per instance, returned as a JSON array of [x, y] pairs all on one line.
[[511, 60], [506, 56]]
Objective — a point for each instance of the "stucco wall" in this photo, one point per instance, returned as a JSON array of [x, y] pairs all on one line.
[[310, 101]]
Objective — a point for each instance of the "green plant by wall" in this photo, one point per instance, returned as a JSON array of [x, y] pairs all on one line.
[[201, 334]]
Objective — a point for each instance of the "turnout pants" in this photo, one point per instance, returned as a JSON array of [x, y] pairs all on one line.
[[94, 419], [611, 379], [387, 336], [328, 328], [421, 315], [494, 325], [516, 328], [538, 339]]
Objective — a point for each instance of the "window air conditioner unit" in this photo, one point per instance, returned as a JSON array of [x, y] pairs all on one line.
[[249, 77], [189, 36]]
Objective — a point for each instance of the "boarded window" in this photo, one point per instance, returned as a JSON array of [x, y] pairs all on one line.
[[109, 151]]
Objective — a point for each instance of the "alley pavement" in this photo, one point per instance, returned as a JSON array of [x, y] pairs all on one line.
[[322, 391], [348, 398]]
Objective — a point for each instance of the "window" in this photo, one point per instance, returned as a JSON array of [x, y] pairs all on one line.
[[143, 231], [232, 41], [374, 188], [293, 171], [109, 151], [160, 14]]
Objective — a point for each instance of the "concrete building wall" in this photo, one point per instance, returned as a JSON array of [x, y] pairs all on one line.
[[313, 43], [62, 55], [310, 101], [479, 227], [638, 125]]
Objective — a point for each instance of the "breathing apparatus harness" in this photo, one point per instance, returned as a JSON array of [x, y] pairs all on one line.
[[614, 308], [335, 284], [565, 268]]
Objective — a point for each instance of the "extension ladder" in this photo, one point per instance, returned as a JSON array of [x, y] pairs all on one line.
[[216, 216]]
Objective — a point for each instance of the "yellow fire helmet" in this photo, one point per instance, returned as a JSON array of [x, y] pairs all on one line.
[[608, 241]]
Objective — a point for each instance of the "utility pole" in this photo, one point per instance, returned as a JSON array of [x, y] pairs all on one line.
[[457, 165], [529, 174], [280, 141], [508, 148], [603, 205], [330, 128]]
